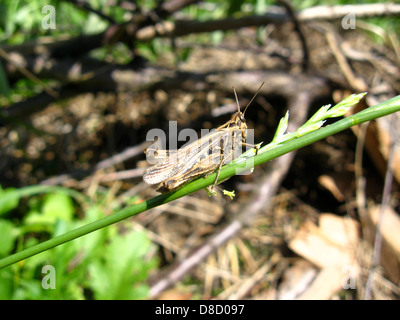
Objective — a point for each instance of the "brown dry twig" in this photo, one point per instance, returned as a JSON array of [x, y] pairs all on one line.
[[23, 70], [357, 84], [274, 15], [298, 28], [104, 164], [385, 202]]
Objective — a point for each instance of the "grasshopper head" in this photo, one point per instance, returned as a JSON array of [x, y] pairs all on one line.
[[238, 118], [239, 123]]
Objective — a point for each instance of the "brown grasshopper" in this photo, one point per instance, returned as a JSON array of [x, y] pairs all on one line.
[[202, 157]]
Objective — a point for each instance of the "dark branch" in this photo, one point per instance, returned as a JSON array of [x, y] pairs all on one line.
[[87, 7]]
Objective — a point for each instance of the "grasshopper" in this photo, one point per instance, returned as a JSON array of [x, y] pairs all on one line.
[[202, 157]]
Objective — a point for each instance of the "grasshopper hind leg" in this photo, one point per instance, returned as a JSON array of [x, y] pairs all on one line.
[[211, 189]]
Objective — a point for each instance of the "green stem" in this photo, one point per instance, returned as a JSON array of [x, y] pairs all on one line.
[[383, 109]]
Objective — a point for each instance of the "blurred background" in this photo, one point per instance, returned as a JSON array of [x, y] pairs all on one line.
[[81, 84]]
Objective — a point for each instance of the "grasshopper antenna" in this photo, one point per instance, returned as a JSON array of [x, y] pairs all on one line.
[[237, 99], [255, 94]]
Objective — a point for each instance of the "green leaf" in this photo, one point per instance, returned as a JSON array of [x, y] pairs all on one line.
[[25, 17], [59, 206], [6, 237], [282, 127], [55, 206], [260, 7], [343, 106], [94, 241], [124, 268], [100, 280], [217, 37], [185, 54], [9, 199], [94, 24], [6, 284]]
